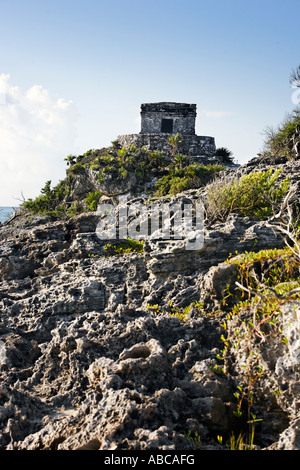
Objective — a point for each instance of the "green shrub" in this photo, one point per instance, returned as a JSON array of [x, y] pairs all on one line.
[[75, 169], [49, 199], [279, 141], [92, 200], [127, 246], [157, 159], [279, 265], [74, 209], [170, 184], [251, 195], [186, 177]]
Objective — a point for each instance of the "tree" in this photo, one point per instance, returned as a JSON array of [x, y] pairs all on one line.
[[47, 189]]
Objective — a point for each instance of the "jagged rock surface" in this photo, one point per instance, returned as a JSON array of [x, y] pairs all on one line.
[[85, 364]]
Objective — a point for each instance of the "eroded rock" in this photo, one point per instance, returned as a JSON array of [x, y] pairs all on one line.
[[85, 364]]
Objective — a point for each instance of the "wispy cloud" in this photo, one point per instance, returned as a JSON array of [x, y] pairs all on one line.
[[217, 114], [36, 131]]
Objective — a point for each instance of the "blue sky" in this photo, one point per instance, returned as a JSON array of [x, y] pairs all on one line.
[[73, 74]]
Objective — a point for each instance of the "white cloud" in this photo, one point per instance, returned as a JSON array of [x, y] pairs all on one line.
[[37, 130]]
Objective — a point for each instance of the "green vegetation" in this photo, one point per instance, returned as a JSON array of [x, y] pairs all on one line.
[[251, 195], [280, 141], [195, 438], [92, 200], [284, 140], [124, 247], [242, 441], [280, 267], [181, 314], [266, 281], [175, 142], [50, 200], [174, 173], [123, 162], [181, 178], [70, 159], [225, 154], [117, 166]]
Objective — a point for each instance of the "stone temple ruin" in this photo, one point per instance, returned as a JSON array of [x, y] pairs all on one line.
[[161, 120]]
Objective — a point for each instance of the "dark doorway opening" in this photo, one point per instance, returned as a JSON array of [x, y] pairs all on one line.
[[167, 126]]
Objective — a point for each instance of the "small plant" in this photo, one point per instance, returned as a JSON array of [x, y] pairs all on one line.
[[266, 281], [115, 144], [92, 200], [180, 313], [175, 141], [241, 443], [194, 438], [124, 247], [74, 209], [75, 169]]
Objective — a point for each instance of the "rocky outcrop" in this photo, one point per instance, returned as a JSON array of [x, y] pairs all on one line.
[[86, 364]]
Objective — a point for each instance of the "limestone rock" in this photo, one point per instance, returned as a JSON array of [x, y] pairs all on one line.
[[85, 364]]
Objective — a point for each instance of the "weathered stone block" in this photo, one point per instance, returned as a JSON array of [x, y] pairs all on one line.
[[161, 120]]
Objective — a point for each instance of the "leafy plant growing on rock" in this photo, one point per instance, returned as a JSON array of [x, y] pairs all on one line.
[[267, 280], [127, 246], [186, 177], [180, 313], [92, 200], [251, 195]]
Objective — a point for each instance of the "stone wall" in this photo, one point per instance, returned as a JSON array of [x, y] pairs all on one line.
[[192, 144], [182, 118]]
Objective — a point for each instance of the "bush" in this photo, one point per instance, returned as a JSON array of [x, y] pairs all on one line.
[[126, 246], [279, 142], [49, 199], [170, 184], [251, 195], [279, 265], [225, 154], [190, 177], [75, 209], [92, 200], [75, 169]]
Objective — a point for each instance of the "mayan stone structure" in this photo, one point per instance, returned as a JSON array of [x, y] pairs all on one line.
[[161, 120]]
